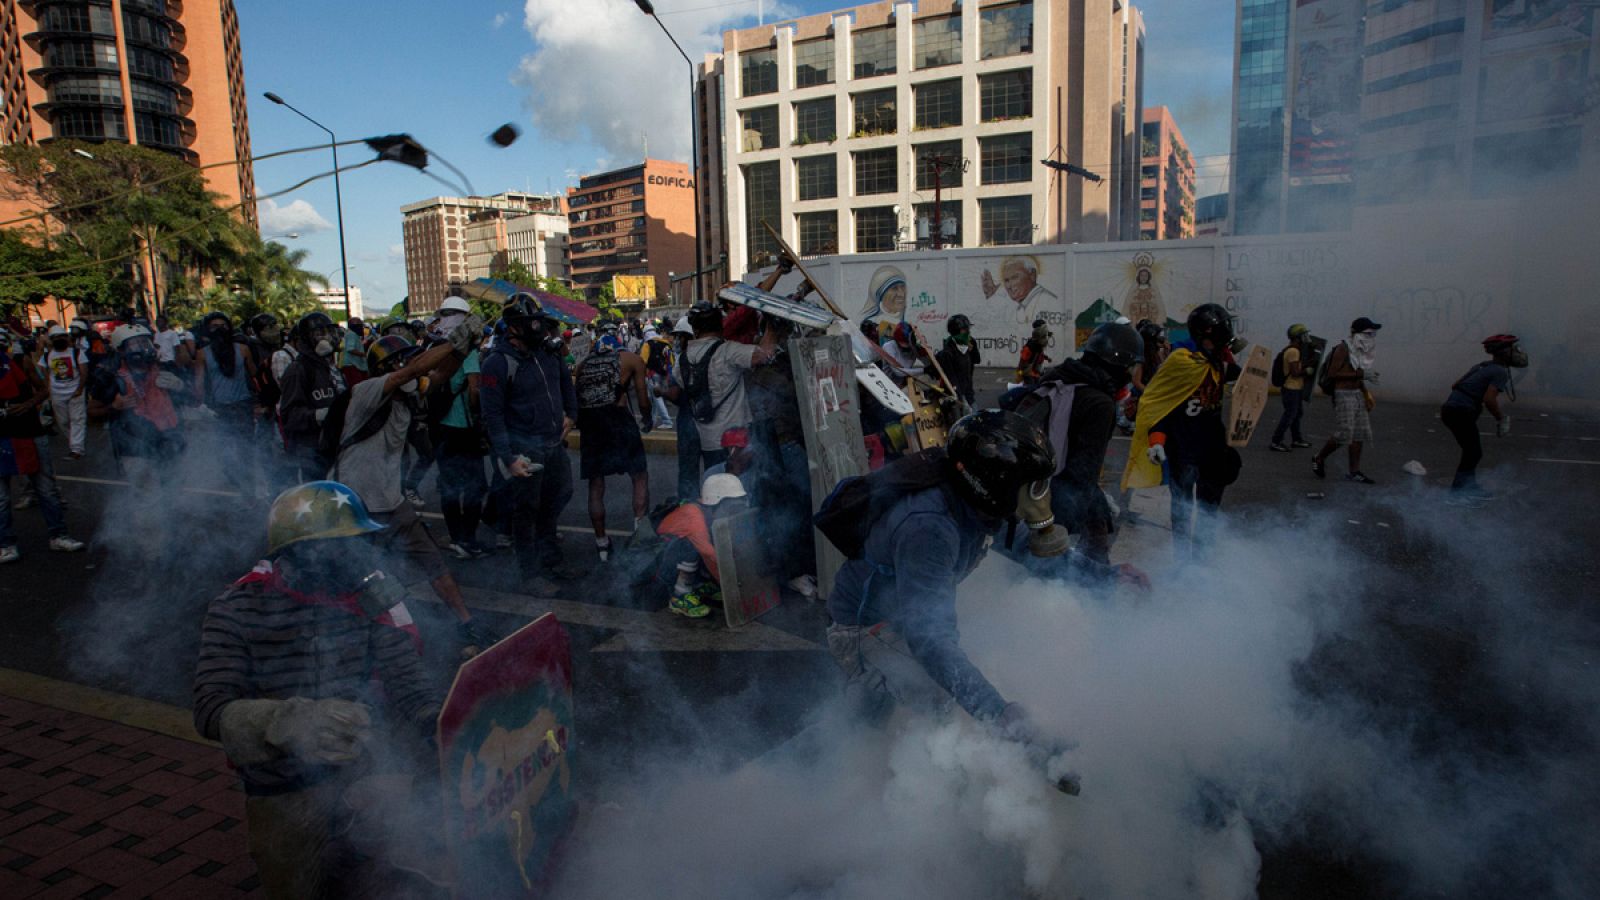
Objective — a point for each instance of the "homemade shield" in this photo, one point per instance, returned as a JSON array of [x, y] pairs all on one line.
[[1249, 396], [748, 588], [505, 768], [825, 385]]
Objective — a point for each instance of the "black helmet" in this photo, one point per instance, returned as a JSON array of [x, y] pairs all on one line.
[[309, 324], [388, 354], [1210, 320], [522, 305], [994, 454], [216, 316], [1151, 331], [1116, 345], [262, 320], [958, 323], [704, 317]]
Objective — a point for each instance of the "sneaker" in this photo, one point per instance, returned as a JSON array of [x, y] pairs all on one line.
[[689, 605], [604, 549], [502, 542], [65, 544], [9, 554], [1359, 478], [459, 550], [1318, 468], [1277, 448], [1299, 445], [414, 498], [804, 585]]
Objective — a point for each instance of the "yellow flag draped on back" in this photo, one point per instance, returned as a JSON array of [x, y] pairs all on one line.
[[1175, 382]]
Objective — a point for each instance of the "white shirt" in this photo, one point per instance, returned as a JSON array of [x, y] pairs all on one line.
[[167, 346]]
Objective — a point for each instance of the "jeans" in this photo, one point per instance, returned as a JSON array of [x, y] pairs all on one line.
[[44, 487], [1193, 497], [1294, 409], [462, 484], [688, 458], [536, 503], [1463, 425]]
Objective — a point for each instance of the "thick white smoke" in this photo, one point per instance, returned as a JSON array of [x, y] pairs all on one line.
[[1222, 716], [603, 72]]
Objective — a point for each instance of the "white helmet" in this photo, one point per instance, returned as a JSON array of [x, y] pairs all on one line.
[[80, 325], [455, 304], [55, 331], [125, 333], [683, 327], [721, 487]]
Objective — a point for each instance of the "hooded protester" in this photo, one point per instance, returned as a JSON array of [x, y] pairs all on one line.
[[25, 452], [1178, 438], [1472, 393], [688, 559], [893, 606], [309, 386], [1033, 357], [1349, 371], [1075, 405], [960, 358], [310, 677]]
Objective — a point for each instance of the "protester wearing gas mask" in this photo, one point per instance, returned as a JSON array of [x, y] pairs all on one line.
[[309, 385], [960, 356], [528, 403], [1178, 438], [309, 676], [1075, 405], [373, 428], [135, 396], [913, 531], [1481, 388], [1349, 371]]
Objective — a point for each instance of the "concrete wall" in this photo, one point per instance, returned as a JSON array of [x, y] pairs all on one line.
[[1440, 279]]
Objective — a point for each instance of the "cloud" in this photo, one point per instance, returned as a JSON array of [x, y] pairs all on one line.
[[500, 18], [603, 72], [299, 216]]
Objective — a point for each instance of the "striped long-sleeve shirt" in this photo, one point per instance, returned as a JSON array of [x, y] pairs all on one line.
[[257, 643]]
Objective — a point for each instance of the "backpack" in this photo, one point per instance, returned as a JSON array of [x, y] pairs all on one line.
[[1279, 376], [1325, 376], [856, 504], [331, 441], [697, 384]]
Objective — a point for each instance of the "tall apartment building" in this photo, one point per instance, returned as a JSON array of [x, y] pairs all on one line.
[[1344, 104], [160, 73], [434, 238], [1166, 179], [637, 220], [831, 126], [537, 240], [332, 300], [1211, 216]]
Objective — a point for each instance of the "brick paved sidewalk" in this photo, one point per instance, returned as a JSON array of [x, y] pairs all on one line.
[[93, 808]]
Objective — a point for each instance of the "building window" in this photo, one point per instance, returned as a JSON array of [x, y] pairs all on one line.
[[938, 104], [1005, 95], [874, 52], [1005, 30], [875, 229], [154, 97], [874, 113], [758, 72], [816, 177], [937, 41], [949, 174], [819, 233], [760, 128], [875, 171], [813, 62], [814, 120], [1005, 220], [762, 203], [87, 89], [949, 228], [1006, 159]]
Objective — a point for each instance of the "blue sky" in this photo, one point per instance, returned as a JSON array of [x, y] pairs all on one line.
[[591, 83]]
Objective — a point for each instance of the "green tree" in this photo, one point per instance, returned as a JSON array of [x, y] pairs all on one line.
[[29, 272], [516, 272]]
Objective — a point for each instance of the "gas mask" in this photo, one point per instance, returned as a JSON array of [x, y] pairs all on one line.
[[1517, 358], [324, 348], [140, 359], [1045, 537]]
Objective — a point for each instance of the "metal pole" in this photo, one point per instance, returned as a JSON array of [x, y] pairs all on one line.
[[338, 196], [649, 9]]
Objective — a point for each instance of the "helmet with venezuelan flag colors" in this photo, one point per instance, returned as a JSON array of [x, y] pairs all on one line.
[[315, 511]]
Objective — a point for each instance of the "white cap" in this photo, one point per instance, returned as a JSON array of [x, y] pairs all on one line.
[[721, 487], [55, 330], [455, 304], [683, 327]]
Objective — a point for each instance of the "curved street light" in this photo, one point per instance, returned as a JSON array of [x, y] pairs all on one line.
[[649, 9], [338, 199]]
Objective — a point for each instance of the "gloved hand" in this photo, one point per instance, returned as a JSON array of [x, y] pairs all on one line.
[[322, 731], [168, 381], [1157, 454], [466, 334], [475, 636], [1502, 428], [1014, 724]]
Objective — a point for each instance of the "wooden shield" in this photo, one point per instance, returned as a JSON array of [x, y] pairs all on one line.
[[1250, 396]]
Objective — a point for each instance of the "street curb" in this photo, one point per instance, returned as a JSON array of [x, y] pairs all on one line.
[[135, 712], [660, 443]]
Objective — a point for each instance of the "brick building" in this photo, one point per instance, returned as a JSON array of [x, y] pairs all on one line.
[[434, 238], [1166, 179], [637, 220]]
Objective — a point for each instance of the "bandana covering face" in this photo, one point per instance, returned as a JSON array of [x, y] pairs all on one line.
[[1362, 347]]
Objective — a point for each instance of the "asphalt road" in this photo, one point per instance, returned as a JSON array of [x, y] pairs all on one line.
[[121, 618]]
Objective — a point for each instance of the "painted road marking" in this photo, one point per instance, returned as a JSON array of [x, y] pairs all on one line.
[[112, 482], [136, 712], [638, 630], [1570, 462]]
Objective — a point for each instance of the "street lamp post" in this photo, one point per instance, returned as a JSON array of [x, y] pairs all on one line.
[[649, 9], [338, 200]]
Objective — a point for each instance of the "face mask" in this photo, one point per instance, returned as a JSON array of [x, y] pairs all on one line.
[[1519, 358], [963, 338], [271, 336], [1045, 537], [141, 358], [324, 348], [60, 343]]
